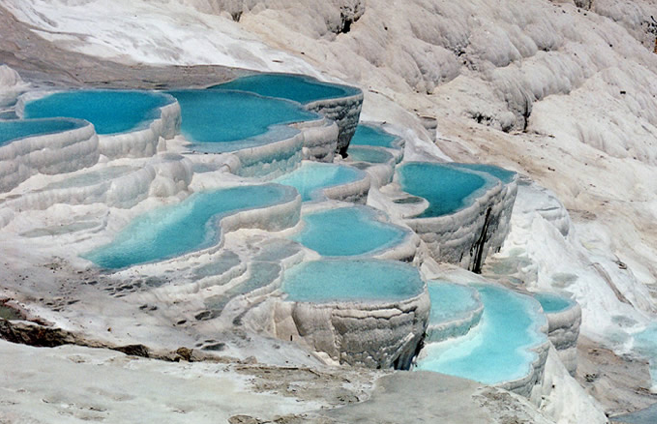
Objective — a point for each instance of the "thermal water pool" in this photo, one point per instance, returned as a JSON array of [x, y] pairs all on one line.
[[501, 174], [312, 178], [348, 231], [369, 154], [455, 309], [111, 111], [352, 280], [19, 129], [226, 120], [298, 88], [368, 135], [500, 348], [188, 226], [552, 303], [446, 188]]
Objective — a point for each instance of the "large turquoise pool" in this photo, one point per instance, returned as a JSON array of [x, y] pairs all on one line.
[[499, 349], [298, 88], [348, 231], [185, 227], [111, 111], [368, 135], [311, 178], [215, 118], [355, 280], [17, 129], [446, 188]]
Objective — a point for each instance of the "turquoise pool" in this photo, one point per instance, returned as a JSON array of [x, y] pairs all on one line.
[[311, 178], [552, 303], [213, 119], [298, 88], [450, 301], [367, 135], [352, 280], [499, 349], [446, 188], [17, 129], [348, 231], [185, 227], [111, 111], [369, 154]]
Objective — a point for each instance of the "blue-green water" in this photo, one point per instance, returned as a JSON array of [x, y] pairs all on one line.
[[644, 416], [450, 301], [369, 154], [217, 116], [111, 111], [298, 88], [311, 178], [446, 188], [498, 350], [367, 135], [502, 174], [553, 303], [343, 280], [347, 232], [188, 226], [645, 344], [17, 129]]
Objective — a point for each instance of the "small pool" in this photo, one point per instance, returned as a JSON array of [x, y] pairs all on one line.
[[502, 174], [368, 135], [369, 154], [499, 349], [345, 280], [111, 111], [552, 303], [185, 227], [450, 301], [446, 188], [348, 231], [455, 309], [645, 344], [298, 88], [214, 120], [311, 178], [17, 129]]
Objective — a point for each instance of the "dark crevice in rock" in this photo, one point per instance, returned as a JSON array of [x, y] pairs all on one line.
[[477, 249]]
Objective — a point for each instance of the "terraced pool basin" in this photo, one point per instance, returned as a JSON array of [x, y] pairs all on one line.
[[298, 88], [446, 188], [352, 280], [348, 231], [500, 348], [227, 120], [455, 309], [185, 227], [368, 135], [553, 303], [111, 111], [19, 129], [312, 178], [369, 154]]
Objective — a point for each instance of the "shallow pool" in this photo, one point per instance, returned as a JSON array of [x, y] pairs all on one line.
[[111, 111], [216, 118], [553, 303], [348, 231], [499, 349], [645, 344], [185, 227], [446, 188], [311, 178], [502, 174], [455, 309], [298, 88], [369, 154], [355, 280], [17, 129], [368, 135]]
